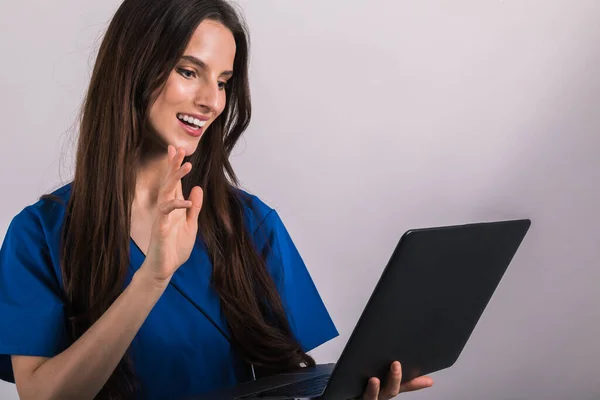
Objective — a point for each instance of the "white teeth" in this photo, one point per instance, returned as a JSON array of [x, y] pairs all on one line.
[[191, 120]]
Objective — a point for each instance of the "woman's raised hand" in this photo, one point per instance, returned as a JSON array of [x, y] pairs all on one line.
[[176, 223]]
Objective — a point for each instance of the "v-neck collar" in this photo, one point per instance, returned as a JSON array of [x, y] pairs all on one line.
[[135, 246], [192, 280]]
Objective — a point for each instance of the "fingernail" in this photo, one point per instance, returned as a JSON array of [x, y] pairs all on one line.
[[395, 367]]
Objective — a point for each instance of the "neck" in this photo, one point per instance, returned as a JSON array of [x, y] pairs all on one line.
[[149, 174]]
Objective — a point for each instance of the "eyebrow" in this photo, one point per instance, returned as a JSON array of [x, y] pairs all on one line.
[[202, 65]]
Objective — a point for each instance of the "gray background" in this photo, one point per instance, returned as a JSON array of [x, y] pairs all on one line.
[[372, 118]]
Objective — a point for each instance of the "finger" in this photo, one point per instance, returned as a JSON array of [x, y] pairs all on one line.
[[196, 197], [182, 171], [167, 207], [172, 153], [421, 382], [372, 391], [178, 158], [175, 157], [392, 386], [171, 184]]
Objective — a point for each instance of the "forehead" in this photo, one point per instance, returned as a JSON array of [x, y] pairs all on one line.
[[214, 44]]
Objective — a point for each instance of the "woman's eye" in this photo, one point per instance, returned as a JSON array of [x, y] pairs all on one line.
[[186, 73], [223, 85]]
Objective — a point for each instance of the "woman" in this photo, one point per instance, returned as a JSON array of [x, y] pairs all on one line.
[[132, 281]]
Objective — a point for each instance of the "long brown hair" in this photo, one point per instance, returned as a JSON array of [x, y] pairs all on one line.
[[143, 43]]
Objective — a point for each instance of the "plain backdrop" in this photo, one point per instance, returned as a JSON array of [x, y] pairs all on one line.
[[371, 118]]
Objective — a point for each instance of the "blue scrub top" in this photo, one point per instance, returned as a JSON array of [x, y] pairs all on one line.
[[183, 347]]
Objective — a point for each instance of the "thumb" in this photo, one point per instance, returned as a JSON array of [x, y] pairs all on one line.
[[196, 197]]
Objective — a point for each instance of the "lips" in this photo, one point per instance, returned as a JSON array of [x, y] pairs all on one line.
[[193, 119], [189, 129]]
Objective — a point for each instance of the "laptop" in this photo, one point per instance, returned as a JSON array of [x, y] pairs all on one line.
[[423, 310]]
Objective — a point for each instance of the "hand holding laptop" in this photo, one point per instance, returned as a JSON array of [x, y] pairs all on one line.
[[393, 387]]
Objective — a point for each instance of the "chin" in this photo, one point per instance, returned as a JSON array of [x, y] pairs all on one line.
[[190, 146], [174, 137]]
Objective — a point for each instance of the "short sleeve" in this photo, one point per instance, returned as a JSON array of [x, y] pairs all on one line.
[[32, 319], [309, 319]]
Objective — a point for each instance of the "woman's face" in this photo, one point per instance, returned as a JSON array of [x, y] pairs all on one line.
[[194, 94]]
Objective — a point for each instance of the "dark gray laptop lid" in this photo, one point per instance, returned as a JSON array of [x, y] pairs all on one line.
[[427, 302]]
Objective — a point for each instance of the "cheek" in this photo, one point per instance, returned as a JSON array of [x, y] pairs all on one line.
[[176, 92], [169, 101]]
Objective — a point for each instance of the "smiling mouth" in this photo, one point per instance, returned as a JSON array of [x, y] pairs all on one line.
[[191, 121]]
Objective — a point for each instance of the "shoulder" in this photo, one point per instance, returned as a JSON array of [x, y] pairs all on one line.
[[41, 221], [258, 214], [47, 212]]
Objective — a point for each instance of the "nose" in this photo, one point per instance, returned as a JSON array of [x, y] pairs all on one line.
[[207, 97]]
